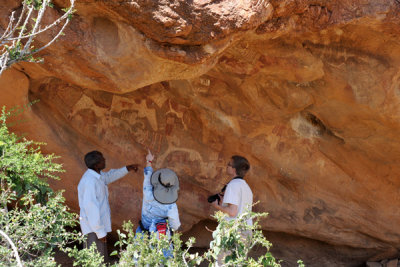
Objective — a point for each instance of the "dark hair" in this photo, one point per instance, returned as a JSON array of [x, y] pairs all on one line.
[[92, 158], [241, 165]]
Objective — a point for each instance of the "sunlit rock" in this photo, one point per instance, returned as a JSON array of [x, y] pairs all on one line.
[[308, 92]]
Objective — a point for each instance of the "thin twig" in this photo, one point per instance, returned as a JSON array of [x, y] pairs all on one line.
[[37, 22], [9, 27], [13, 248], [52, 41], [19, 19], [24, 26], [56, 22], [12, 50]]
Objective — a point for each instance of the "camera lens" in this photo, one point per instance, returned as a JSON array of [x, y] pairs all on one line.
[[213, 198]]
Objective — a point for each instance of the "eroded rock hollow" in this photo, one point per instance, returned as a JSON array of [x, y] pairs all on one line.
[[308, 91]]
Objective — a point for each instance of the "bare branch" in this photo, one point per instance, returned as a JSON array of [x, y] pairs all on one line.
[[56, 37], [12, 50], [56, 22]]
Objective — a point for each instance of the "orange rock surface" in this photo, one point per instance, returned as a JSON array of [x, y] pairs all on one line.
[[308, 91]]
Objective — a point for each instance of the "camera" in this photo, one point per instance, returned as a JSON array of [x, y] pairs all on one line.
[[212, 198]]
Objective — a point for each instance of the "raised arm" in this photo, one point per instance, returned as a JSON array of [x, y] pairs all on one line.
[[149, 158], [115, 174], [148, 171]]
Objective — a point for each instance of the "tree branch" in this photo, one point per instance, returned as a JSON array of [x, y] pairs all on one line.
[[13, 247], [11, 48]]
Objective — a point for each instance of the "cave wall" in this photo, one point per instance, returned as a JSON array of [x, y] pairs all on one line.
[[308, 91]]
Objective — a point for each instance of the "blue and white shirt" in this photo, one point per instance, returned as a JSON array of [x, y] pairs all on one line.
[[152, 210], [95, 213]]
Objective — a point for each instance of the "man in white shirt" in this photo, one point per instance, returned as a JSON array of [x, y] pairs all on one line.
[[238, 195], [95, 215]]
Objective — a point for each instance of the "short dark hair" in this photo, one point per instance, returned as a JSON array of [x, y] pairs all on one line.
[[92, 158], [240, 164]]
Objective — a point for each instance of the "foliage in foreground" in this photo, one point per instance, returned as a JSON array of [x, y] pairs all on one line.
[[228, 240], [32, 215]]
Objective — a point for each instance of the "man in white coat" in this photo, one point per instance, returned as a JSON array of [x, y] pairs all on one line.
[[95, 215]]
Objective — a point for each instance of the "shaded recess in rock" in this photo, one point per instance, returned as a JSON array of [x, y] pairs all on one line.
[[320, 126], [316, 253]]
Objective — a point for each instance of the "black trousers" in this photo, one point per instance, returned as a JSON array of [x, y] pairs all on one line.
[[101, 246]]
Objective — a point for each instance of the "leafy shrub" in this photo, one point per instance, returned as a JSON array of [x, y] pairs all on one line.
[[32, 215], [23, 168], [142, 249], [86, 257], [235, 239], [228, 240]]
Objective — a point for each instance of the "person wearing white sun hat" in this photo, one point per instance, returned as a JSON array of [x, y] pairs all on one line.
[[160, 193]]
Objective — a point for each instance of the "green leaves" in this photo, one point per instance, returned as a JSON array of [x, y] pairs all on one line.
[[88, 257], [232, 243], [234, 239], [37, 4], [32, 215], [37, 229], [300, 263], [24, 167], [142, 249], [70, 15]]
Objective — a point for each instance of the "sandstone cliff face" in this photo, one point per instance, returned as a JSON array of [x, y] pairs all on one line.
[[308, 91]]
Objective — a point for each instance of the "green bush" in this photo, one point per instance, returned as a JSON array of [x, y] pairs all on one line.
[[142, 249], [32, 215], [228, 240], [235, 239], [86, 257]]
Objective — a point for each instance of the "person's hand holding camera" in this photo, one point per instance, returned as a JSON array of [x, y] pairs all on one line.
[[215, 200], [218, 198], [212, 198]]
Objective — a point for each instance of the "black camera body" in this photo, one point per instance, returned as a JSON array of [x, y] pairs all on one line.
[[212, 198]]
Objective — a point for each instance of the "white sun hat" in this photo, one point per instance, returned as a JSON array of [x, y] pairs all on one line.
[[165, 184]]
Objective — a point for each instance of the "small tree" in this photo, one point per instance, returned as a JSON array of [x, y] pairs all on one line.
[[34, 220], [235, 239], [16, 42]]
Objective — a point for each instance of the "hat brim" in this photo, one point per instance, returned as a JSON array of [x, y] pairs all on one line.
[[164, 195]]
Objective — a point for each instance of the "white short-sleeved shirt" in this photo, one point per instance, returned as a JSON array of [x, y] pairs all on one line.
[[238, 193]]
